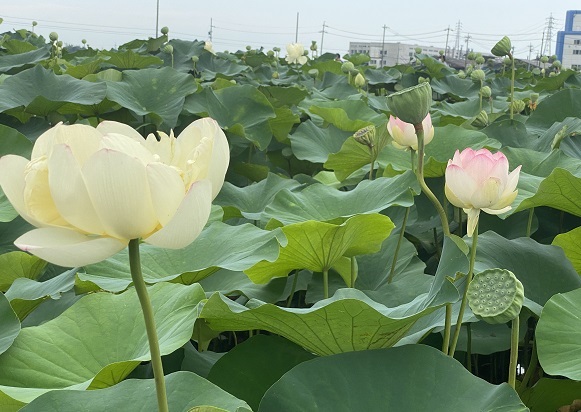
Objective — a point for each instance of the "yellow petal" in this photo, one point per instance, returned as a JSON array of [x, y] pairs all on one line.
[[188, 221], [119, 191], [12, 183], [84, 141], [108, 126], [127, 145], [68, 248], [167, 190], [473, 215]]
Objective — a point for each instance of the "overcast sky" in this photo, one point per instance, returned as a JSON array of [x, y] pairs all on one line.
[[237, 23]]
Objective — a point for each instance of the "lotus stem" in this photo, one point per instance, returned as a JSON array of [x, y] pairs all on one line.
[[147, 309], [399, 241], [469, 347], [293, 289], [530, 222], [513, 352], [326, 283], [531, 369], [512, 88], [465, 295], [447, 329]]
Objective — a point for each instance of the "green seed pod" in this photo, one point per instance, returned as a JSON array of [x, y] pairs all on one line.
[[418, 50], [195, 59], [275, 75], [479, 60], [313, 45], [347, 67], [502, 48], [441, 52], [248, 48], [168, 48], [313, 73], [486, 92], [506, 61], [270, 53], [164, 30], [276, 49], [34, 23], [471, 56], [495, 296], [53, 36], [462, 74], [518, 106], [544, 59], [59, 43], [84, 41], [365, 136], [552, 74], [481, 120], [478, 75], [557, 64], [411, 105]]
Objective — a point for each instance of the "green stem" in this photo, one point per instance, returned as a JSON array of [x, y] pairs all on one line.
[[420, 174], [465, 295], [531, 369], [460, 221], [413, 159], [530, 222], [447, 329], [372, 167], [326, 283], [399, 240], [147, 309], [512, 88], [293, 288], [469, 347], [353, 272], [513, 352], [491, 106]]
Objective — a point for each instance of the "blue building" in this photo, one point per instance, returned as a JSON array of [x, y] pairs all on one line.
[[569, 41]]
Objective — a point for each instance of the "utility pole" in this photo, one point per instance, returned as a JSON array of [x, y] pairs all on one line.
[[466, 55], [157, 21], [446, 48], [457, 53], [542, 43], [322, 37], [549, 40], [211, 29], [529, 59], [383, 46], [297, 30]]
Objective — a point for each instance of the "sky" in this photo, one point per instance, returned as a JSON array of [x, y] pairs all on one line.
[[234, 24]]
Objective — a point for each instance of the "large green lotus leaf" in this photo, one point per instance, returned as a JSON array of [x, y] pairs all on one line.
[[130, 60], [467, 109], [509, 133], [315, 144], [236, 283], [456, 87], [323, 203], [89, 66], [239, 248], [569, 129], [157, 92], [558, 335], [318, 246], [183, 51], [554, 108], [42, 92], [380, 76], [284, 96], [436, 69], [9, 231], [412, 378], [14, 142], [251, 200], [7, 212], [12, 61], [348, 321], [570, 242], [348, 115], [241, 110], [446, 141], [541, 164], [17, 264], [210, 66], [546, 84], [96, 342], [543, 269], [551, 394], [283, 123], [248, 370], [185, 390], [10, 324], [16, 46], [26, 294]]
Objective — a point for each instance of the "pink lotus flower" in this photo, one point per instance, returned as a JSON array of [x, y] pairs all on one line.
[[479, 180], [404, 134]]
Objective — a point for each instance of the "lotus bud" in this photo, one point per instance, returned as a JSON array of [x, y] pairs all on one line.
[[553, 57], [544, 59], [347, 67], [53, 36], [496, 296], [275, 75], [441, 52], [506, 61], [481, 120], [479, 60], [365, 136], [248, 48], [270, 53], [471, 56], [462, 74], [423, 79], [411, 105], [518, 106], [552, 74], [543, 72], [34, 24], [84, 41], [478, 75], [59, 43], [557, 64], [485, 92], [418, 50], [536, 71], [276, 49], [168, 48], [534, 97], [313, 73], [164, 30], [502, 48], [359, 80], [195, 59]]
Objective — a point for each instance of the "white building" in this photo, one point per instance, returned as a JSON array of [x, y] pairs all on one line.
[[569, 41], [393, 53]]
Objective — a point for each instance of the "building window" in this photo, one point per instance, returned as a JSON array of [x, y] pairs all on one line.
[[576, 41], [576, 66], [576, 51]]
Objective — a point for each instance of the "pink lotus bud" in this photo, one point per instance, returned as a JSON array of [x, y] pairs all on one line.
[[404, 134], [479, 180]]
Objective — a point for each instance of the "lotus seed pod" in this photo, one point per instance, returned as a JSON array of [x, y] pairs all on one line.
[[359, 80], [518, 106], [544, 59], [84, 41], [481, 120], [59, 43], [495, 296], [164, 30], [53, 36], [502, 48], [195, 59], [418, 50], [313, 46], [479, 60], [536, 71], [168, 48], [553, 57], [248, 48], [471, 56], [275, 75], [34, 23], [478, 75], [270, 53], [506, 61], [314, 73], [462, 74], [276, 49], [441, 52], [485, 92], [411, 105], [365, 136], [347, 67], [557, 64]]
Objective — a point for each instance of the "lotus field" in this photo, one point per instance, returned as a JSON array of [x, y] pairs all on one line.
[[190, 230]]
